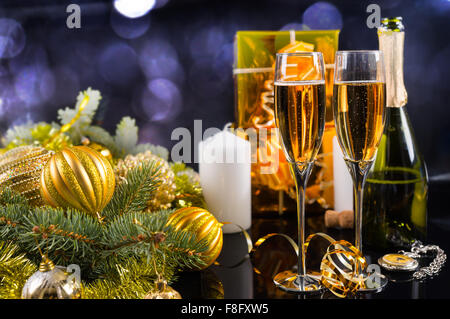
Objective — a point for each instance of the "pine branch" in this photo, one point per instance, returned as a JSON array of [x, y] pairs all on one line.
[[68, 237], [9, 197], [133, 194], [146, 234], [13, 210], [188, 190]]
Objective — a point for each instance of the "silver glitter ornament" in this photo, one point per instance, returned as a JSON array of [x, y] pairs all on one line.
[[51, 282]]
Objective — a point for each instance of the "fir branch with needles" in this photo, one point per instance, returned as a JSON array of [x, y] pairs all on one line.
[[68, 236], [148, 234], [132, 194]]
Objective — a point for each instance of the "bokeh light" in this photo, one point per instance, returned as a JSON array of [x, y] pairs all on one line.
[[322, 16], [159, 59], [160, 4], [12, 38], [11, 105], [440, 6], [34, 85], [161, 100], [134, 8], [151, 133], [129, 28], [295, 26], [33, 55], [118, 64], [206, 41]]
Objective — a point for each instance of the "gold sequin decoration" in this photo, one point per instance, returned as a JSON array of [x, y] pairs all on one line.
[[20, 170]]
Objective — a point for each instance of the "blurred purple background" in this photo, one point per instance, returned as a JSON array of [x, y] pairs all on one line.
[[168, 62]]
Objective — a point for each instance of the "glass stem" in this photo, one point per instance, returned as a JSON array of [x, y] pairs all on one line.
[[301, 174], [359, 173]]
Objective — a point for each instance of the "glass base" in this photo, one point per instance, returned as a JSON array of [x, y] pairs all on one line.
[[292, 282], [373, 283]]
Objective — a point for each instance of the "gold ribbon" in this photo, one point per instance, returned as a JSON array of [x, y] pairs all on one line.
[[341, 267], [67, 126]]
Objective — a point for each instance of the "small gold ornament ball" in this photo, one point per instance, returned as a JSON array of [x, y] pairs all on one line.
[[163, 291], [20, 169], [204, 225], [78, 177], [99, 148], [51, 282], [165, 194]]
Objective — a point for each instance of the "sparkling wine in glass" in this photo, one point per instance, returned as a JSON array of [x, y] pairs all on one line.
[[300, 118], [359, 99]]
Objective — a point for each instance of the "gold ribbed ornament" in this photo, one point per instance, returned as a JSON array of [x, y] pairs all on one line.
[[78, 177], [165, 194], [51, 282], [20, 170], [204, 225]]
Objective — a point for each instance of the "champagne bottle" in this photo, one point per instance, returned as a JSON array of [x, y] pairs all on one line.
[[395, 197]]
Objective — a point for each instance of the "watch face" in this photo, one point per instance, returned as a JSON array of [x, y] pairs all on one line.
[[398, 262]]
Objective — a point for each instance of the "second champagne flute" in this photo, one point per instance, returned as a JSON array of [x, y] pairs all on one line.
[[359, 100], [300, 117]]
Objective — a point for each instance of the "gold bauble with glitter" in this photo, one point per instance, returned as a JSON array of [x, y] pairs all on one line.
[[51, 282], [163, 291], [78, 177], [20, 170], [165, 194], [204, 225]]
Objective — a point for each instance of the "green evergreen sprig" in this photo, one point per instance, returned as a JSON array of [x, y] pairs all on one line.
[[68, 236], [133, 194], [119, 257]]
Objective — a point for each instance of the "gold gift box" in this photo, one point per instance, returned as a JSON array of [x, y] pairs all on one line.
[[254, 108]]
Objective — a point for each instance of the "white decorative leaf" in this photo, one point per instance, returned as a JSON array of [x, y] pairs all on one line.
[[126, 135], [67, 114]]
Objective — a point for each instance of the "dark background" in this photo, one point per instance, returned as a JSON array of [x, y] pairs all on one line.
[[174, 64]]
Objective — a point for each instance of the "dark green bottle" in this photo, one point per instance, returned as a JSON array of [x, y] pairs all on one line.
[[395, 196]]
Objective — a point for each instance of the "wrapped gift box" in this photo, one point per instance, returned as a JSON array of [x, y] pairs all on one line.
[[254, 108]]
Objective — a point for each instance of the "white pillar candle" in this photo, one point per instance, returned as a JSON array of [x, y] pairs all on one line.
[[343, 185], [225, 167]]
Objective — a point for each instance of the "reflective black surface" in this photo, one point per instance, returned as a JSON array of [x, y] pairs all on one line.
[[240, 280]]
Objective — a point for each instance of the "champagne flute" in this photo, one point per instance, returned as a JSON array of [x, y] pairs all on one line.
[[359, 99], [299, 86]]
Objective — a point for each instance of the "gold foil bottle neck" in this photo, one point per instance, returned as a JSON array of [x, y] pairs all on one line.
[[391, 39]]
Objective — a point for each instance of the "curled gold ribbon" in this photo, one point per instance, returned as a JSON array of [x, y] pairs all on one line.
[[261, 240], [251, 248], [341, 267]]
